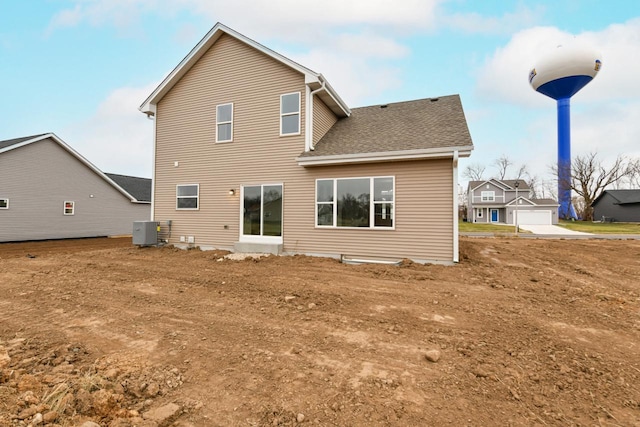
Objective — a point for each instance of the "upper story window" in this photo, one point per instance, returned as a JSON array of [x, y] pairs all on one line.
[[355, 202], [4, 203], [224, 123], [187, 196], [290, 114], [69, 207], [488, 196]]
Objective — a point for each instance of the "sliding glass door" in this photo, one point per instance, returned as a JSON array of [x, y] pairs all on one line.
[[262, 213]]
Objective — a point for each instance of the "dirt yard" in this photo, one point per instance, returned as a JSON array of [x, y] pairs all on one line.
[[521, 333]]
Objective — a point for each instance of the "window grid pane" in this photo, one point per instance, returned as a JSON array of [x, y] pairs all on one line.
[[290, 103]]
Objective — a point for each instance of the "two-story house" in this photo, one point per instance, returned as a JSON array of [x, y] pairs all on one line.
[[502, 201], [257, 153]]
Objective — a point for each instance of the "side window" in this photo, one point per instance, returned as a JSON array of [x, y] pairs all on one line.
[[290, 114], [69, 207], [4, 203], [187, 196], [224, 123]]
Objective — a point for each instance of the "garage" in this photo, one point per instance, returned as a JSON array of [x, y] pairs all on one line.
[[531, 217]]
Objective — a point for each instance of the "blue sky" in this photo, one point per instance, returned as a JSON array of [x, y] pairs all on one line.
[[81, 68]]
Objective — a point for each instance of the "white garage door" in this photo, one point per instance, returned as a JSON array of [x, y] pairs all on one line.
[[526, 217]]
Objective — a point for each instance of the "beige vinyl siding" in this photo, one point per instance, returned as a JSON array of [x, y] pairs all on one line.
[[323, 119], [423, 214], [230, 71], [39, 177], [234, 72]]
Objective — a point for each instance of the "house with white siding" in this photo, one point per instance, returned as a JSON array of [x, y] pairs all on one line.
[[254, 152], [49, 191]]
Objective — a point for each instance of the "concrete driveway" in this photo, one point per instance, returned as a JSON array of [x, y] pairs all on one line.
[[552, 230]]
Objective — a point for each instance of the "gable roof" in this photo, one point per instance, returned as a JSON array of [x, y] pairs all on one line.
[[12, 144], [507, 184], [622, 197], [140, 188], [312, 79], [423, 128]]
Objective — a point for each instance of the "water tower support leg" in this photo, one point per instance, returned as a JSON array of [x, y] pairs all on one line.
[[565, 210]]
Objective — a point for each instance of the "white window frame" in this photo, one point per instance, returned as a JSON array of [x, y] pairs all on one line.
[[197, 197], [6, 203], [73, 207], [372, 204], [230, 122], [488, 196], [299, 113]]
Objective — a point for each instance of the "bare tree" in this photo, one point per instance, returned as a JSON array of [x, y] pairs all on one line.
[[589, 178], [502, 164], [634, 174], [474, 172]]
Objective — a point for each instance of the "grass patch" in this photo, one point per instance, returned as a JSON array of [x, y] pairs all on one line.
[[602, 227], [474, 227]]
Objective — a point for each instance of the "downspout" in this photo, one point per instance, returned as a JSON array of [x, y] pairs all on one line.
[[456, 244], [153, 167], [309, 121]]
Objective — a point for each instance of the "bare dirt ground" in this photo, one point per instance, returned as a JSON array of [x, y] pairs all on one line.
[[522, 332]]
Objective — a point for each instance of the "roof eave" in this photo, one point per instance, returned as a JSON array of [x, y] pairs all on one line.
[[384, 156]]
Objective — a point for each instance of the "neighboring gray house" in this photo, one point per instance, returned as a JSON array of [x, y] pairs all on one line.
[[494, 201], [617, 205], [49, 191]]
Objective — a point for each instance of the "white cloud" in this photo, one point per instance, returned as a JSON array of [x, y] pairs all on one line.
[[117, 138], [504, 75], [508, 23]]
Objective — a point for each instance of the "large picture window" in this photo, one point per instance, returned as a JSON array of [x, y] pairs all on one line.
[[355, 202], [224, 123], [187, 196], [290, 114]]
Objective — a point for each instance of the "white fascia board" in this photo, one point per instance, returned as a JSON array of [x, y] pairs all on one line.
[[200, 49], [386, 156]]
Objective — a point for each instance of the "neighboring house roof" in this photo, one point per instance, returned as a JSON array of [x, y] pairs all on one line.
[[9, 142], [622, 197], [12, 144], [313, 79], [535, 202], [507, 184], [140, 188], [423, 128]]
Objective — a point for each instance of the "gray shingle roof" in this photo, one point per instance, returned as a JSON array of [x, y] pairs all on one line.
[[410, 125], [523, 185], [544, 201], [140, 188], [9, 142], [624, 196]]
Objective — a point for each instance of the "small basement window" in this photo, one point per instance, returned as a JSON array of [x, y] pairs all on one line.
[[69, 207]]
